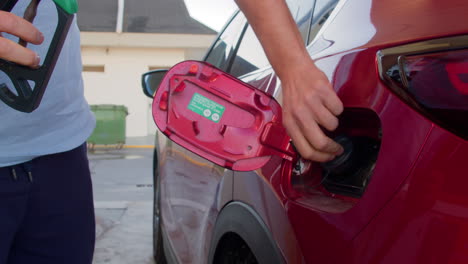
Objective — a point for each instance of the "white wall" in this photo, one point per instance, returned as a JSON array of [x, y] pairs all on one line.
[[121, 59]]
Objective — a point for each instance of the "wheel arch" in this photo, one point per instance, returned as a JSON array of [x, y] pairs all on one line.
[[242, 220]]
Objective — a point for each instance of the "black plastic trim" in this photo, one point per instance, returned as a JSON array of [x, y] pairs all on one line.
[[392, 58], [241, 219], [389, 57], [168, 250], [219, 34]]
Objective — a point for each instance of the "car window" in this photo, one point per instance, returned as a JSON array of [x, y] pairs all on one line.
[[301, 11], [224, 47], [250, 55], [322, 11]]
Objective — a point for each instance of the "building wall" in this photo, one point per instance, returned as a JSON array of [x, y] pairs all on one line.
[[113, 64]]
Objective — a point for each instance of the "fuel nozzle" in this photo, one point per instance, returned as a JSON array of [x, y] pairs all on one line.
[[28, 97]]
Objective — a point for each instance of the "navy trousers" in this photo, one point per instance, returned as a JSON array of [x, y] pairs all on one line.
[[46, 210]]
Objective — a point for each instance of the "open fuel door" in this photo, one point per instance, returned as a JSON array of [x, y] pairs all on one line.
[[219, 117]]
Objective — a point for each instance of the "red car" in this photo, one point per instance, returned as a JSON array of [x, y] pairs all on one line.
[[397, 195]]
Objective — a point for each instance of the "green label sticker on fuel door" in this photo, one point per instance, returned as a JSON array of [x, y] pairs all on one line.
[[206, 107]]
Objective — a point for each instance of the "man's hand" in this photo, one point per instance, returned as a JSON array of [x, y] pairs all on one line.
[[309, 101], [11, 51]]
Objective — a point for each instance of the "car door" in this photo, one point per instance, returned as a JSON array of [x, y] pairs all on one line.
[[192, 188]]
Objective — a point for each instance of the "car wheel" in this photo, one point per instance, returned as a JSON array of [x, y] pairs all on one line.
[[158, 249]]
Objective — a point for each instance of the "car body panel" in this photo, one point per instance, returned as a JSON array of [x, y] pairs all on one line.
[[428, 214], [348, 61], [390, 22], [193, 192], [338, 223], [258, 192]]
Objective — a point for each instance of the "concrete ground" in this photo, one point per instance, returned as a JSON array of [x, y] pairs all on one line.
[[123, 194]]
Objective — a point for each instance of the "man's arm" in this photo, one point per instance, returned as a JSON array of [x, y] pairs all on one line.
[[309, 100], [11, 51]]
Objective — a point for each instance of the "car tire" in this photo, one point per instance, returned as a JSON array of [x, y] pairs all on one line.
[[158, 248]]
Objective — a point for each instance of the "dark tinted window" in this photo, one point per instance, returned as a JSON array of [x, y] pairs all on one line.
[[250, 55], [322, 11], [224, 47]]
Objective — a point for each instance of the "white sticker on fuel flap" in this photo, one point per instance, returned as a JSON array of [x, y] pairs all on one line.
[[206, 107]]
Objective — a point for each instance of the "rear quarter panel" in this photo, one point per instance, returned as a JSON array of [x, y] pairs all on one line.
[[346, 51], [427, 220]]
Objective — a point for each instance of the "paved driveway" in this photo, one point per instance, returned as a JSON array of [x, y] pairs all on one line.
[[123, 194]]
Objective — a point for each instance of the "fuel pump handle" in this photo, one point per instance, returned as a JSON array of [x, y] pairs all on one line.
[[69, 6], [27, 98]]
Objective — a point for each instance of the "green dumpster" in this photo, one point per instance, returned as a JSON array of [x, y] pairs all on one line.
[[110, 125]]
